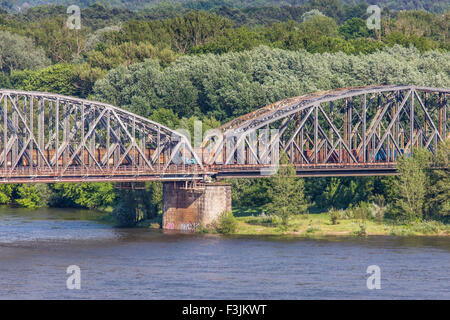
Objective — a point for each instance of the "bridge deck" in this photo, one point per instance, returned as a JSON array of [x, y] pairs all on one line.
[[182, 173]]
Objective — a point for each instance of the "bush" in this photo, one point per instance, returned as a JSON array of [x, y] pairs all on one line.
[[226, 223], [334, 216], [312, 229], [426, 227], [362, 230], [125, 216], [32, 195]]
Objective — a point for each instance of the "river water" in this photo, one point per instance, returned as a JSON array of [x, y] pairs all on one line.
[[36, 247]]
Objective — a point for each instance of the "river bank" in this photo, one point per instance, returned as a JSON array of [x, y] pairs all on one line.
[[251, 222], [321, 224]]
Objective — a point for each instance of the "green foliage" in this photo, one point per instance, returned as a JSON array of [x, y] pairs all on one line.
[[5, 81], [318, 26], [334, 216], [355, 28], [83, 195], [426, 227], [438, 191], [32, 195], [58, 78], [226, 223], [249, 192], [125, 215], [18, 53], [286, 193], [6, 191], [226, 86], [410, 186], [133, 206], [362, 230], [61, 44], [340, 192]]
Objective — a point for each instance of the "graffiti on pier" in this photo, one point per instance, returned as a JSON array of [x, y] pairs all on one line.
[[169, 225], [189, 226]]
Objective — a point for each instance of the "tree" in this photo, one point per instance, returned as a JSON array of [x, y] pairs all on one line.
[[61, 44], [331, 8], [310, 14], [354, 28], [18, 53], [286, 193], [32, 195], [318, 25], [410, 187], [83, 195], [135, 205], [58, 78], [438, 197], [6, 191], [229, 85]]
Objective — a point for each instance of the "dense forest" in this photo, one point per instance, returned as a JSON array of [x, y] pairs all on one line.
[[181, 61], [438, 6]]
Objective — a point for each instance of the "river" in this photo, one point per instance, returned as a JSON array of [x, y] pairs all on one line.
[[36, 247]]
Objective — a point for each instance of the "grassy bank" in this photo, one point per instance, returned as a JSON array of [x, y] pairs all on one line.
[[252, 222]]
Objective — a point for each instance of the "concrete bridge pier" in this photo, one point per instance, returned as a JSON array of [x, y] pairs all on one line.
[[187, 206]]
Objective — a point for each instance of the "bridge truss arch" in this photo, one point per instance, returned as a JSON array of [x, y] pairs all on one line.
[[47, 137], [361, 130], [349, 128]]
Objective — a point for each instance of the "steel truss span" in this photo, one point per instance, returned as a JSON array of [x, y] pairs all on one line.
[[353, 131], [350, 131], [48, 138]]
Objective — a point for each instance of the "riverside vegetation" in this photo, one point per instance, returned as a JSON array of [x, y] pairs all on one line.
[[416, 202], [177, 63]]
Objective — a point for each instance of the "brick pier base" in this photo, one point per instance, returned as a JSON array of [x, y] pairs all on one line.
[[186, 208]]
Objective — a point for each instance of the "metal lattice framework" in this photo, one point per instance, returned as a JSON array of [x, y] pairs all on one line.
[[48, 137], [350, 127], [352, 131]]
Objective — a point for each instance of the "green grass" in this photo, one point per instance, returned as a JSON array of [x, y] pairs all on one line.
[[252, 221]]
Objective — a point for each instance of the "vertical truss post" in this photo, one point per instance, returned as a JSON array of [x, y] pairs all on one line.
[[40, 130], [57, 133], [411, 121], [364, 108], [31, 132], [158, 147], [5, 130], [134, 145], [349, 123], [15, 147], [444, 134], [91, 139], [65, 135], [108, 137], [316, 131]]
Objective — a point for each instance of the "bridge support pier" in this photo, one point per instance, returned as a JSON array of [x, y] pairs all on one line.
[[187, 207]]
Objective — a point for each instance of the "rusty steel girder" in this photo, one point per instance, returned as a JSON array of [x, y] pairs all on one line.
[[358, 125], [54, 137], [351, 131]]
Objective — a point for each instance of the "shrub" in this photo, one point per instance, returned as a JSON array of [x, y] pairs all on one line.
[[125, 216], [426, 227], [334, 216], [362, 230], [312, 229], [226, 223]]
